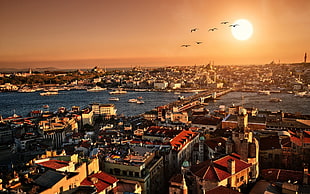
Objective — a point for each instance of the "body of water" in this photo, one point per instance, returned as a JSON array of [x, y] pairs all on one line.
[[23, 103]]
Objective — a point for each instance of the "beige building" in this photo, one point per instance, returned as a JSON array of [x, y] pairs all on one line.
[[141, 165], [105, 110]]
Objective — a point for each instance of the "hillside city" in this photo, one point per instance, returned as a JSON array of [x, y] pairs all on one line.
[[175, 148]]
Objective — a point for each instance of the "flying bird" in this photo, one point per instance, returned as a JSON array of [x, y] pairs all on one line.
[[194, 29], [233, 25], [212, 29], [198, 42], [224, 22], [185, 45]]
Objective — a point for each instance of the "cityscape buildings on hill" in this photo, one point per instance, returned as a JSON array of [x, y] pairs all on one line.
[[179, 147]]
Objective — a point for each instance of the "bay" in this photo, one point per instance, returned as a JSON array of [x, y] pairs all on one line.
[[23, 103]]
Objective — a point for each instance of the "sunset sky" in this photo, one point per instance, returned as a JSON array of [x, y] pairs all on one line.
[[116, 33]]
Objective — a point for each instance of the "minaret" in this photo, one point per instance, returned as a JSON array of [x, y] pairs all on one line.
[[305, 58]]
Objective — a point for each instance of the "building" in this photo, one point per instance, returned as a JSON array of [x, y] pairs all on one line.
[[177, 185], [228, 171], [207, 123], [87, 117], [160, 85], [182, 147], [103, 182], [137, 164], [105, 110]]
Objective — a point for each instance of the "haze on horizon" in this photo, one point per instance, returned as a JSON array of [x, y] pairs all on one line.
[[81, 34]]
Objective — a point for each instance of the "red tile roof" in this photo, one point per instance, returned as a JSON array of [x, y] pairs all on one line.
[[218, 170], [100, 180], [54, 164], [182, 139]]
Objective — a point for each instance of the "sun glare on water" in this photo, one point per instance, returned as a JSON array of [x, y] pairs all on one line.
[[242, 30]]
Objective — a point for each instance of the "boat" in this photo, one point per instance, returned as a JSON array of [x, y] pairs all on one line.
[[48, 93], [118, 91], [140, 97], [114, 99], [26, 90], [96, 89], [301, 94], [181, 97], [140, 102], [132, 100], [46, 106], [275, 100], [264, 92]]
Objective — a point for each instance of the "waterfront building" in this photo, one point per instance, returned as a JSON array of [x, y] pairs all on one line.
[[150, 115], [105, 110], [160, 85]]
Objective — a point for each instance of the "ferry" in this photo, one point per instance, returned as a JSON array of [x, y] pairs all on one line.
[[114, 99], [118, 91], [300, 94], [48, 93], [275, 100], [140, 102], [26, 90], [264, 92], [132, 100], [96, 89]]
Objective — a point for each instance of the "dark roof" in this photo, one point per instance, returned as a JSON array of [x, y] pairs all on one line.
[[222, 190], [269, 143], [49, 178], [252, 119], [213, 143], [281, 175], [207, 120], [178, 178]]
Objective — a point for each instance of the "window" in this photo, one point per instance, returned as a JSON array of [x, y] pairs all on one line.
[[117, 171], [130, 173], [270, 156], [124, 172], [136, 174]]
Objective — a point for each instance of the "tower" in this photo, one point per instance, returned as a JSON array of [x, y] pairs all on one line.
[[201, 148]]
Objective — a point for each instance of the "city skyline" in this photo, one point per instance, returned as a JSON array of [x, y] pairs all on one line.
[[80, 34]]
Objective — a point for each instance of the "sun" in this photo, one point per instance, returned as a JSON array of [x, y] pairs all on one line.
[[242, 29]]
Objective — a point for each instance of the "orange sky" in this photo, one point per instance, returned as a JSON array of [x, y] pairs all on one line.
[[38, 33]]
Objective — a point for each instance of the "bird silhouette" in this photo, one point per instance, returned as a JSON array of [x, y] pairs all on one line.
[[212, 29], [198, 42], [194, 29], [234, 25], [185, 45], [225, 22]]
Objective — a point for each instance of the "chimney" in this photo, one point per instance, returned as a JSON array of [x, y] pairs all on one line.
[[231, 166]]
